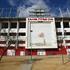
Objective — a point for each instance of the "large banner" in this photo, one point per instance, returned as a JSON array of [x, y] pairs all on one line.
[[43, 35]]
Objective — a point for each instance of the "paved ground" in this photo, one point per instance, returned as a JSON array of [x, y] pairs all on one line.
[[26, 66]]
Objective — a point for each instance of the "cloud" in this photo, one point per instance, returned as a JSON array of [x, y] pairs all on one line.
[[33, 1], [14, 2], [24, 11], [25, 6], [11, 2]]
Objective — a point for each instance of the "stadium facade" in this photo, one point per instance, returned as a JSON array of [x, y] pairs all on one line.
[[36, 36]]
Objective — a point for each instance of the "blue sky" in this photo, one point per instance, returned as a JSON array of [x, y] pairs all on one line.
[[54, 5]]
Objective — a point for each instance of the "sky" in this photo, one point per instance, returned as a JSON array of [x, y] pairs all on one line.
[[24, 6]]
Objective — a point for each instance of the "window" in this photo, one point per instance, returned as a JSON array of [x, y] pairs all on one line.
[[22, 25], [13, 25], [22, 34], [59, 33], [4, 34], [12, 42], [0, 25], [2, 42], [4, 25], [57, 24], [12, 34], [60, 41], [21, 42], [66, 24], [67, 33]]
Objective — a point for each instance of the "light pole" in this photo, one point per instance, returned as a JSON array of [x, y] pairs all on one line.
[[61, 47], [31, 44], [62, 52]]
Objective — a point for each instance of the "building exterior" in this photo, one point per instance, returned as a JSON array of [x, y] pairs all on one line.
[[36, 36]]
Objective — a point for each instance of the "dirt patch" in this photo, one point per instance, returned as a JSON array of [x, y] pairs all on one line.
[[11, 63], [39, 63], [52, 63]]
